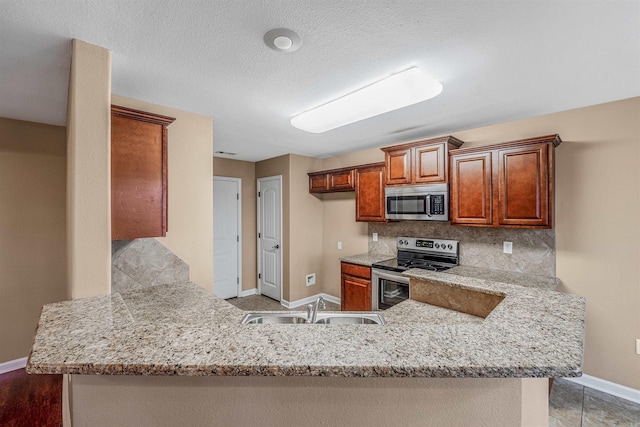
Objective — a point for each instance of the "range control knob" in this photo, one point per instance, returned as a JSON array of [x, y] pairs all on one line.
[[437, 245], [406, 242], [450, 246]]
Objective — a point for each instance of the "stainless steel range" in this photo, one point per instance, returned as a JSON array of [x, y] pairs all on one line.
[[389, 287]]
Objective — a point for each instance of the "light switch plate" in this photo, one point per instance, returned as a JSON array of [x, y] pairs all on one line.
[[339, 245], [507, 247], [375, 237], [638, 346]]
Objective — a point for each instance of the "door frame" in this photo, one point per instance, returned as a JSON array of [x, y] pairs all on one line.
[[238, 182], [258, 285]]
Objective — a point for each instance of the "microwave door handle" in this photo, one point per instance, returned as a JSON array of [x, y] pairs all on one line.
[[429, 205]]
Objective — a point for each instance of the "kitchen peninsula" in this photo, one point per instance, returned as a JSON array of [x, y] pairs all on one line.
[[173, 331]]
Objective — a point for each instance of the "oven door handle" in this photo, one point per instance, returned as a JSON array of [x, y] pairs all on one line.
[[428, 212], [394, 277]]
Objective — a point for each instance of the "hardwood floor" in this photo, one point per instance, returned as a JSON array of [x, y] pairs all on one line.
[[30, 400]]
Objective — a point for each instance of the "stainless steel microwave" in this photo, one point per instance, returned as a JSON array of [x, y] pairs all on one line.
[[418, 202]]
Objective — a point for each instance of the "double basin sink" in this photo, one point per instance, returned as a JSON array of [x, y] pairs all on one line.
[[322, 318]]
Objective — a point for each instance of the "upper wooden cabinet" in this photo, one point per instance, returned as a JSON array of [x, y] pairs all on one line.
[[370, 193], [504, 185], [421, 162], [334, 180], [138, 174]]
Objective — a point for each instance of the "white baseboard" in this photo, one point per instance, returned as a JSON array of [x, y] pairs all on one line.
[[309, 300], [249, 292], [608, 387], [13, 365]]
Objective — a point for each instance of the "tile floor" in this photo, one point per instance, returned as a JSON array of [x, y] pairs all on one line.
[[570, 404], [573, 405]]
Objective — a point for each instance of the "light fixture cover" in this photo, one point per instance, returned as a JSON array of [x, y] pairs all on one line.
[[282, 40], [399, 90]]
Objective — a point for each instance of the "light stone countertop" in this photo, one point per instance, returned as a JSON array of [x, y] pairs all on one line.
[[181, 329], [366, 259]]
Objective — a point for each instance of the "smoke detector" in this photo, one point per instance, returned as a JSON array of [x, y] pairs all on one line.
[[282, 40]]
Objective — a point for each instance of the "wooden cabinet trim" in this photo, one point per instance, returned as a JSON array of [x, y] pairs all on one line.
[[549, 139], [142, 116], [453, 141]]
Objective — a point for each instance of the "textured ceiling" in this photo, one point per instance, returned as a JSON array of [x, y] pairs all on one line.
[[498, 61]]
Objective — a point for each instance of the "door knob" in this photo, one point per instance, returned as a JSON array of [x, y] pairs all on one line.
[[276, 247]]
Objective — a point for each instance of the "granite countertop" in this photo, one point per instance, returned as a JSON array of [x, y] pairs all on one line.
[[181, 329], [509, 277], [366, 259]]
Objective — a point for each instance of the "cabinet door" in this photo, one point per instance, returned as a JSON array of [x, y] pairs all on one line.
[[470, 195], [356, 293], [370, 194], [429, 164], [398, 166], [341, 181], [319, 183], [523, 186], [138, 179]]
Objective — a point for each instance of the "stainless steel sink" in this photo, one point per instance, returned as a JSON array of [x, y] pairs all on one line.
[[274, 318], [341, 318], [324, 318]]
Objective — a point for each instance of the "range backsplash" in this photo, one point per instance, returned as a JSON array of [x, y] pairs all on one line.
[[534, 251]]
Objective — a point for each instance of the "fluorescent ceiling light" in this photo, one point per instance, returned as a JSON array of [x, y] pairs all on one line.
[[399, 90]]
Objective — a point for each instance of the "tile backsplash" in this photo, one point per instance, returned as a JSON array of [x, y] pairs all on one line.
[[142, 263], [534, 251]]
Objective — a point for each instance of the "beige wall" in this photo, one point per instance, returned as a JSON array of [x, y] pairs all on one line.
[[597, 223], [339, 221], [247, 172], [301, 224], [273, 167], [89, 172], [305, 229], [32, 229], [190, 210], [108, 400]]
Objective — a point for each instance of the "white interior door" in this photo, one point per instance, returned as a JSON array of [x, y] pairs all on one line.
[[270, 237], [226, 237]]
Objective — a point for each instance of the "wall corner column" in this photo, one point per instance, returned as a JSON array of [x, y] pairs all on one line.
[[89, 172]]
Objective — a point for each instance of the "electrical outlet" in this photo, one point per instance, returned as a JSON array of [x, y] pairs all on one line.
[[638, 346], [311, 279], [507, 247], [375, 237], [340, 245]]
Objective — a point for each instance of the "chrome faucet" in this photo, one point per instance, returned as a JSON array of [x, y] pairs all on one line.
[[312, 310]]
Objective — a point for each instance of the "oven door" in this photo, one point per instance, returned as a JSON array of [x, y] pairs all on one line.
[[388, 288]]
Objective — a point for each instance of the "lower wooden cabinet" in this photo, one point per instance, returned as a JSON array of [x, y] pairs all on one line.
[[504, 185], [355, 287], [370, 193]]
